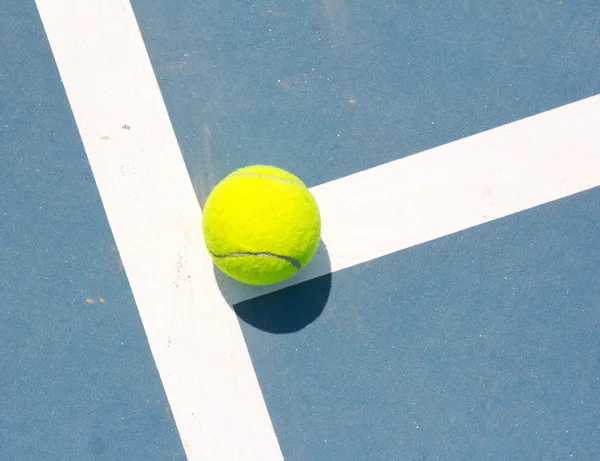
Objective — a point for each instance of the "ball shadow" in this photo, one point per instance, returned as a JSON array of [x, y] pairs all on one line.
[[286, 307]]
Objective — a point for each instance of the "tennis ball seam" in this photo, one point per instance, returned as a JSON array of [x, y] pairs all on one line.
[[289, 259], [268, 176]]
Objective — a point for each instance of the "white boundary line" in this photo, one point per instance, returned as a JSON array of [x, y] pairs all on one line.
[[462, 184], [195, 337], [451, 188]]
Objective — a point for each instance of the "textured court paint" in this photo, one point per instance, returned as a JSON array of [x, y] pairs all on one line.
[[328, 88], [451, 188], [77, 378], [156, 221], [482, 345], [494, 97]]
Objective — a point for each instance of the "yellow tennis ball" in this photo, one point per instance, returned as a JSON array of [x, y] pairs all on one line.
[[261, 225]]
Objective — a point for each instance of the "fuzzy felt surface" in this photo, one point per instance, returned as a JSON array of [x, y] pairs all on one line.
[[261, 225]]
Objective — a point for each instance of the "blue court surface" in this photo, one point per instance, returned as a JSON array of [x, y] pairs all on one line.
[[453, 309]]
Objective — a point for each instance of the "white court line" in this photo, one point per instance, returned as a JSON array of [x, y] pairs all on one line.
[[451, 188], [156, 221]]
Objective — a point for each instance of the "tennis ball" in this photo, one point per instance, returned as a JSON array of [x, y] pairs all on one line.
[[261, 225]]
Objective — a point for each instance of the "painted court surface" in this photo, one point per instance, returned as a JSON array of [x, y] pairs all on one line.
[[452, 311]]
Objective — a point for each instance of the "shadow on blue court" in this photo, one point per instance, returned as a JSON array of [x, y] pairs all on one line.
[[287, 310]]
